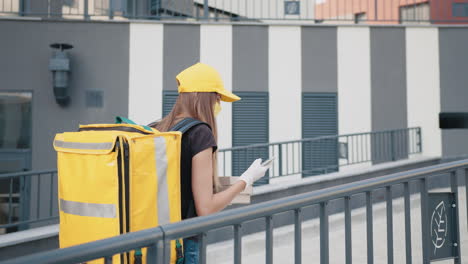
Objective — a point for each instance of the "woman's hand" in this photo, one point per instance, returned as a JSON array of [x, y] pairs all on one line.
[[254, 172]]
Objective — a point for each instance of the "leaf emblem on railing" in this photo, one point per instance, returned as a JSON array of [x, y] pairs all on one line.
[[439, 226]]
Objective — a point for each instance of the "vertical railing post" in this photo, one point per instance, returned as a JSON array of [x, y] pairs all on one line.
[[38, 197], [300, 155], [407, 223], [206, 10], [10, 201], [237, 244], [202, 244], [269, 239], [152, 253], [324, 246], [466, 191], [420, 140], [287, 158], [370, 229], [161, 248], [392, 145], [337, 152], [25, 201], [348, 239], [111, 9], [424, 223], [388, 196], [454, 189], [167, 251], [86, 9], [280, 160], [51, 200], [298, 236]]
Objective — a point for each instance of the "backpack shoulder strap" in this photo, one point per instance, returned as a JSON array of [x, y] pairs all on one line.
[[187, 123]]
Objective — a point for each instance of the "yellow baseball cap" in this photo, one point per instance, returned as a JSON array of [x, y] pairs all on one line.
[[203, 78]]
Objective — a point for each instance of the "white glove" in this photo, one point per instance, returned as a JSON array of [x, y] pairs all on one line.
[[254, 172]]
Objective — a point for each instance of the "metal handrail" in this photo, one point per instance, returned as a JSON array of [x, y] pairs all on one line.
[[28, 183], [323, 154], [314, 139], [229, 217], [157, 239], [18, 174]]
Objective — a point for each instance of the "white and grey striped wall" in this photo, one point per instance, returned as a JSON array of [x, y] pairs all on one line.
[[383, 77], [375, 77]]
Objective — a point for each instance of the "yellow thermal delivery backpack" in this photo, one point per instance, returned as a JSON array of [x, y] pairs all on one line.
[[115, 179]]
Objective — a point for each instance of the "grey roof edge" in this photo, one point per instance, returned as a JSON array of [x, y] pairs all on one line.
[[285, 23]]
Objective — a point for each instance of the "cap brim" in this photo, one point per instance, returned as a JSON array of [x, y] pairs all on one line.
[[227, 96]]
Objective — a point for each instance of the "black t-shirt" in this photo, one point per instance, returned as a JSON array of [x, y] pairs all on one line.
[[195, 140]]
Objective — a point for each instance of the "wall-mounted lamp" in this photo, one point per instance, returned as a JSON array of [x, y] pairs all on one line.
[[59, 65]]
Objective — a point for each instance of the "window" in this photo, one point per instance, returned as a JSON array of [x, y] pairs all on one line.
[[250, 126], [70, 3], [319, 118], [15, 131], [292, 8], [15, 120], [460, 9], [416, 13]]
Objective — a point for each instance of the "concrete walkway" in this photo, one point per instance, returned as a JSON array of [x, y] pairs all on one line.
[[253, 246]]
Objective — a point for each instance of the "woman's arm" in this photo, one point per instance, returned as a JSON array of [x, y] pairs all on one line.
[[207, 202]]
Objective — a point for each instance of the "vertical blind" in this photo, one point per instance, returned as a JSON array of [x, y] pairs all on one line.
[[250, 126], [319, 118]]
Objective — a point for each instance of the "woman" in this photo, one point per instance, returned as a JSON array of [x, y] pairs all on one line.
[[200, 92]]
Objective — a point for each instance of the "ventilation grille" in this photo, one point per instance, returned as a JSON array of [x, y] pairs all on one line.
[[94, 98]]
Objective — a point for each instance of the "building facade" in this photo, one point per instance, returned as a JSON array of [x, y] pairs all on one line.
[[278, 11], [372, 78], [393, 12]]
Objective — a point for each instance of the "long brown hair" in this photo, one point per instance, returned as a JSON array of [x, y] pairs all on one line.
[[199, 106]]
